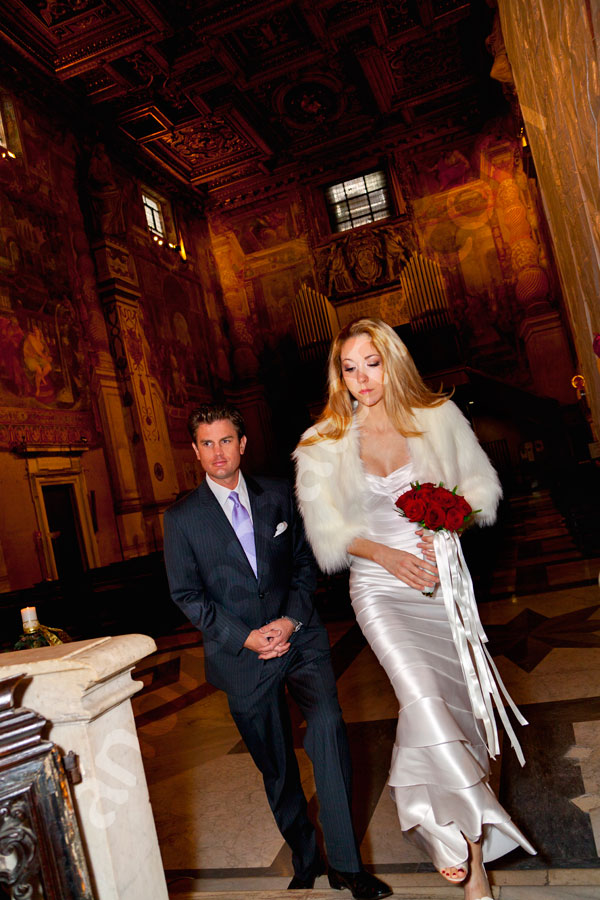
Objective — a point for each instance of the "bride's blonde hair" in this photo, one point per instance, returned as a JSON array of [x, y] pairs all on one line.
[[404, 388]]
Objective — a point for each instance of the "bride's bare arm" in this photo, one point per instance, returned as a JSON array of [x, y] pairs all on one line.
[[417, 573]]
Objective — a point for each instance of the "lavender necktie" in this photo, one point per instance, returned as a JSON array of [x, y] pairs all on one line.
[[242, 525]]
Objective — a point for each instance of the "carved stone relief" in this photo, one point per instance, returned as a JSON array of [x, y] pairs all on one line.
[[361, 260]]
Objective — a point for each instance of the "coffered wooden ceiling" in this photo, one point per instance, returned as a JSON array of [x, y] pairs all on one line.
[[220, 92]]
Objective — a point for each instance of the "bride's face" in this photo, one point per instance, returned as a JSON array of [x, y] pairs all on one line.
[[362, 370]]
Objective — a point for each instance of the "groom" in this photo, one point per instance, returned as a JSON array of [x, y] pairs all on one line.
[[241, 570]]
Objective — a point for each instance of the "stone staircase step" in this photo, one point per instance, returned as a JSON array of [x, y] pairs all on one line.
[[526, 884], [408, 893]]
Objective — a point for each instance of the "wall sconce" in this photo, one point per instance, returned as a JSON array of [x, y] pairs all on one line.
[[179, 248]]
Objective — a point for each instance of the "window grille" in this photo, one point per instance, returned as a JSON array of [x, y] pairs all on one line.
[[358, 201], [154, 218]]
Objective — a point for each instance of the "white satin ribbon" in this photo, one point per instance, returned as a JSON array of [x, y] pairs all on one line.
[[483, 680]]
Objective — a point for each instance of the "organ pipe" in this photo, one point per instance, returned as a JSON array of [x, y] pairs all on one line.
[[316, 322], [425, 293]]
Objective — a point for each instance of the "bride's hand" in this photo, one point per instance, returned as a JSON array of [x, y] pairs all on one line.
[[412, 570], [426, 544]]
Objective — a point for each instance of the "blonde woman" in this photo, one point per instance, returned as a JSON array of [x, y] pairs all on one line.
[[381, 430]]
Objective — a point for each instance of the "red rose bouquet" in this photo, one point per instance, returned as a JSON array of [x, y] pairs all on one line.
[[435, 507]]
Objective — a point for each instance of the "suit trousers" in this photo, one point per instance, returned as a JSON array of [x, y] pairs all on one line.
[[263, 721]]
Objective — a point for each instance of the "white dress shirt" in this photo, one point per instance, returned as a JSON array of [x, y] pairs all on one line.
[[222, 494]]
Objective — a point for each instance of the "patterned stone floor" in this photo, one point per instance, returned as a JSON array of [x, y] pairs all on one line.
[[541, 609]]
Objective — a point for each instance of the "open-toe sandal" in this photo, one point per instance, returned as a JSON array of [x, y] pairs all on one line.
[[456, 874]]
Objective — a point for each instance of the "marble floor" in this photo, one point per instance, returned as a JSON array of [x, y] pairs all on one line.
[[541, 609]]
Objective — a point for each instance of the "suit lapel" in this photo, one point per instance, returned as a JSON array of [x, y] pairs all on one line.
[[260, 522]]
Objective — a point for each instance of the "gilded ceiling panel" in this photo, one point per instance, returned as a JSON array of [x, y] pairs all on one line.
[[207, 88]]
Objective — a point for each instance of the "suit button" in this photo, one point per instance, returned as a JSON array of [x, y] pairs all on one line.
[[261, 595]]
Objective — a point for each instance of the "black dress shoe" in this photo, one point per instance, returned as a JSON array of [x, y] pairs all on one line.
[[362, 885], [306, 884]]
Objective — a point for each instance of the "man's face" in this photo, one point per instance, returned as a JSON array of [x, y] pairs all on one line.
[[219, 450]]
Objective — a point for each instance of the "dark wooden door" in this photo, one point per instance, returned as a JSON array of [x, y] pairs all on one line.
[[65, 530]]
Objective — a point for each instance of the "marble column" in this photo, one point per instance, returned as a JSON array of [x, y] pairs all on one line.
[[83, 689], [106, 384], [121, 461], [147, 430]]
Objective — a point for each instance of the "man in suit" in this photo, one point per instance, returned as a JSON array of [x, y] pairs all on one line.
[[241, 570]]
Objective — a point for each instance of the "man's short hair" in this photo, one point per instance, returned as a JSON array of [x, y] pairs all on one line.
[[215, 412]]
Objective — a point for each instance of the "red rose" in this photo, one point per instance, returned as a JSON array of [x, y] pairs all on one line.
[[405, 497], [463, 506], [445, 498], [455, 519], [425, 492], [434, 516], [414, 509]]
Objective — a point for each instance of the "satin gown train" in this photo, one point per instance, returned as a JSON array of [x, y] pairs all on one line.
[[440, 765]]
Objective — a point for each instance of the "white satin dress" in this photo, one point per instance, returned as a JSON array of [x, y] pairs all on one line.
[[440, 765]]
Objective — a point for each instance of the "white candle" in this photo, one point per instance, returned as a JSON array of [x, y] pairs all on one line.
[[29, 617]]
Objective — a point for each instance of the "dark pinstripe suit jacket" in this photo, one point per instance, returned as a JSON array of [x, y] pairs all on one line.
[[212, 581]]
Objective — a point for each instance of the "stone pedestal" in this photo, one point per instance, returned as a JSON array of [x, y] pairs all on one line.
[[549, 356], [83, 689]]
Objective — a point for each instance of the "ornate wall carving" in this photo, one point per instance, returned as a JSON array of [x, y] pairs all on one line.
[[360, 261]]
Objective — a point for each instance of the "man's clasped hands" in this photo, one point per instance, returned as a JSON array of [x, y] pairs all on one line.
[[272, 640]]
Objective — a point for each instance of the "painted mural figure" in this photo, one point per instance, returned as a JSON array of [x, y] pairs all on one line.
[[107, 202], [453, 169], [11, 356], [176, 386], [270, 228], [351, 467], [37, 358]]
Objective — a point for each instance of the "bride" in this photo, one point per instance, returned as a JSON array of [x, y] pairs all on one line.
[[381, 430]]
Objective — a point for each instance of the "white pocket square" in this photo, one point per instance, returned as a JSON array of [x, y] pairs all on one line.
[[280, 529]]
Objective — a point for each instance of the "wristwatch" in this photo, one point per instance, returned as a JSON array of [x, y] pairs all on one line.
[[297, 625]]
